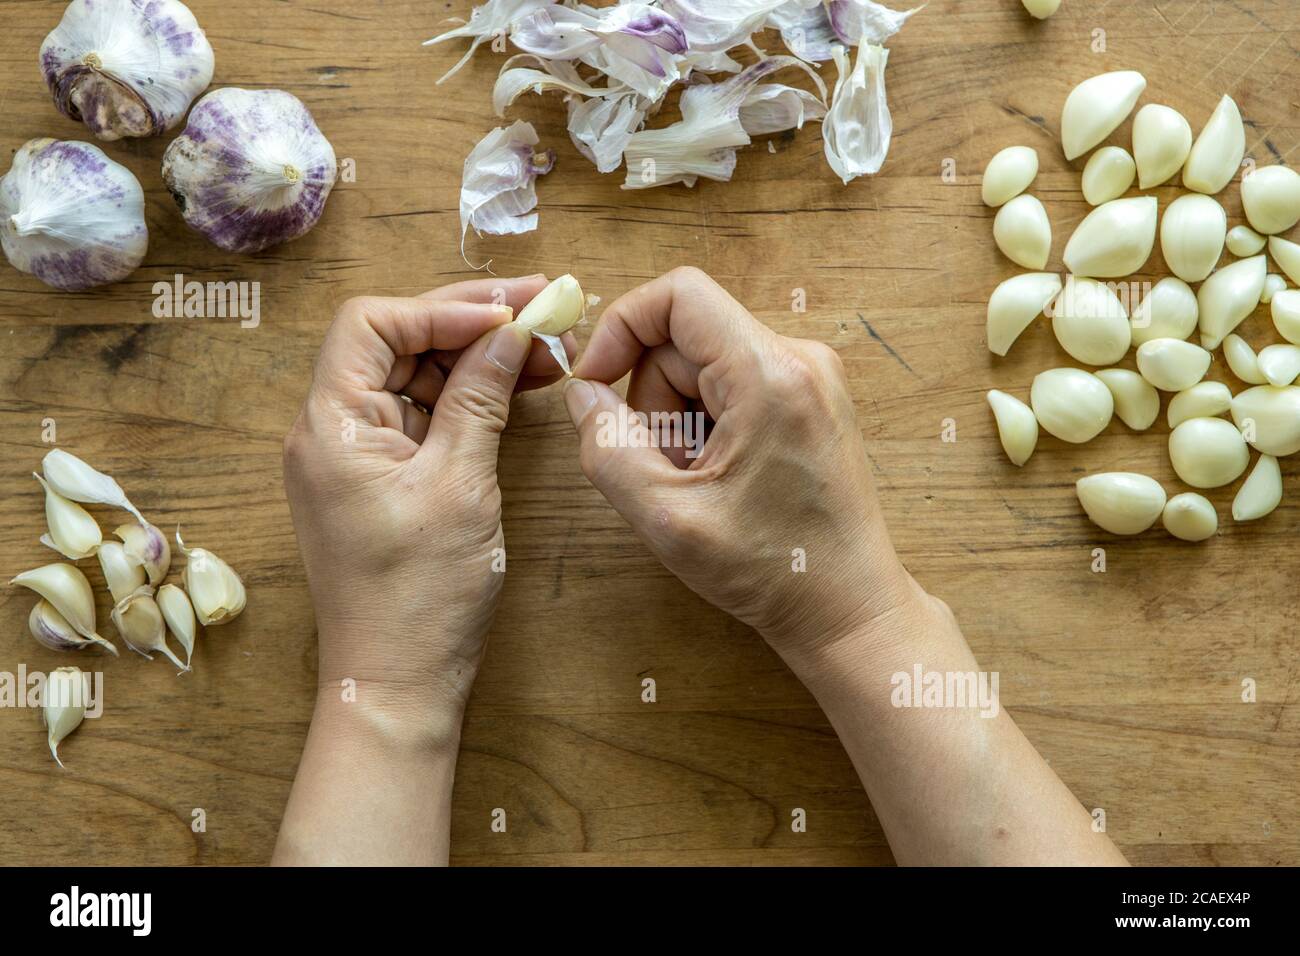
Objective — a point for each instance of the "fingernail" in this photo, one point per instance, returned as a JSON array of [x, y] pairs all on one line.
[[509, 348], [579, 396], [505, 310]]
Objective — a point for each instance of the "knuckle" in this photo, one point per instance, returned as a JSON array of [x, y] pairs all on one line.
[[482, 404]]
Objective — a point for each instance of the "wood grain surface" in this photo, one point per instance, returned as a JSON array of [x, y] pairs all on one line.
[[1129, 682]]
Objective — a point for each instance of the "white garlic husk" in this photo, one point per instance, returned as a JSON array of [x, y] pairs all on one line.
[[1270, 197], [1242, 360], [140, 622], [1279, 364], [1162, 138], [1285, 309], [70, 216], [124, 575], [1192, 235], [126, 67], [1202, 400], [1190, 517], [1260, 493], [1071, 404], [51, 629], [1017, 426], [1090, 322], [178, 612], [1168, 311], [1096, 107], [148, 547], [1108, 175], [214, 588], [1172, 365], [63, 705], [1023, 233], [1008, 174], [1121, 502], [1218, 151], [251, 170], [1115, 239], [73, 478], [1014, 304], [1228, 296], [1244, 242], [1208, 452], [1137, 403], [1269, 417], [72, 531], [1287, 256], [67, 589]]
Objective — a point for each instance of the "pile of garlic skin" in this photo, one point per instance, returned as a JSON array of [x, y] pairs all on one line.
[[1096, 327], [134, 568]]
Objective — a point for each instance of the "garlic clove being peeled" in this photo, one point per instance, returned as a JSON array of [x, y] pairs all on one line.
[[1096, 107], [70, 216], [251, 170], [73, 532], [1023, 233], [1090, 322], [214, 588], [1190, 517], [1208, 452], [1270, 197], [1273, 284], [1017, 426], [1115, 239], [1287, 256], [1202, 400], [1260, 493], [1014, 304], [1137, 403], [1244, 242], [1242, 360], [1162, 138], [148, 547], [1008, 174], [1269, 417], [1285, 309], [1108, 175], [554, 310], [1071, 404], [73, 478], [1280, 364], [140, 622], [1172, 365], [178, 612], [63, 705], [1121, 502], [1169, 311], [1228, 296], [1192, 235], [1218, 151], [67, 589], [51, 629], [123, 575]]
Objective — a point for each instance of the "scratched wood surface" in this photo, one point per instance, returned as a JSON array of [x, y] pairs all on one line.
[[1129, 682]]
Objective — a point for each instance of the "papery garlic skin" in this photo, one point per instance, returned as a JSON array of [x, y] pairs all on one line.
[[147, 546], [1121, 502], [70, 216], [73, 532], [140, 622], [1285, 309], [1169, 311], [67, 589], [123, 575], [1190, 517], [1228, 296], [1202, 400], [1023, 233], [1287, 256], [1273, 284], [1071, 404], [1269, 418], [73, 478], [178, 612], [1260, 493], [1218, 151], [1172, 365], [1244, 242], [1096, 107], [1017, 426], [1208, 452], [554, 310], [1137, 403], [1270, 197], [1162, 138], [1279, 364], [1008, 174], [1090, 322], [1242, 360], [858, 127], [1192, 235], [214, 588], [51, 629], [126, 67], [1014, 304], [63, 705], [1114, 240], [251, 170], [1108, 175]]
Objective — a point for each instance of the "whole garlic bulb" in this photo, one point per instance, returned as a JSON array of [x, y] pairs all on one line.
[[251, 169], [71, 216], [126, 67]]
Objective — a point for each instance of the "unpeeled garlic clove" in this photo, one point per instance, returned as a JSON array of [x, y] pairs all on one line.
[[1269, 417], [1287, 256], [1208, 452], [67, 589], [140, 622], [1096, 107], [1023, 233], [1270, 197], [1168, 311], [1273, 284], [72, 531], [1014, 304], [1121, 502], [1162, 138], [214, 588], [148, 547], [1137, 403], [1108, 175], [73, 478], [1280, 364], [1228, 296], [51, 629], [1203, 400], [1191, 517], [1260, 493], [1041, 9], [1242, 360], [1218, 151], [1172, 365], [1192, 235], [1090, 322], [1071, 404], [178, 612], [1115, 239], [1017, 426], [1008, 174], [1285, 309], [1244, 242], [555, 309], [63, 705], [123, 575]]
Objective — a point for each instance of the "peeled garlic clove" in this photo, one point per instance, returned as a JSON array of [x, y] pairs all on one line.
[[1115, 239], [1162, 138], [148, 547], [51, 629], [1269, 417], [1208, 452], [1071, 404], [1008, 174], [73, 532], [1280, 364], [1228, 296], [1242, 360], [1191, 517], [1287, 256], [67, 589], [1096, 107], [1192, 235], [251, 170], [1169, 311], [1108, 175], [1260, 493], [1203, 400], [63, 705], [1041, 9], [123, 575], [555, 309], [1244, 242], [214, 588], [1218, 151], [71, 216], [1270, 197], [1090, 322], [1017, 426], [73, 478], [1121, 502], [1285, 308], [1014, 304], [140, 622], [1137, 403], [178, 612], [1023, 233], [1273, 284], [1172, 365]]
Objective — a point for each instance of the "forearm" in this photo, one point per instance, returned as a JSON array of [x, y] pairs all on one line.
[[950, 785]]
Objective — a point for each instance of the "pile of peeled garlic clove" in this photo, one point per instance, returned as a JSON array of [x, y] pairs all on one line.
[[1101, 314]]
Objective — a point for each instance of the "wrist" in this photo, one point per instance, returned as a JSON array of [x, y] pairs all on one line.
[[375, 715]]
